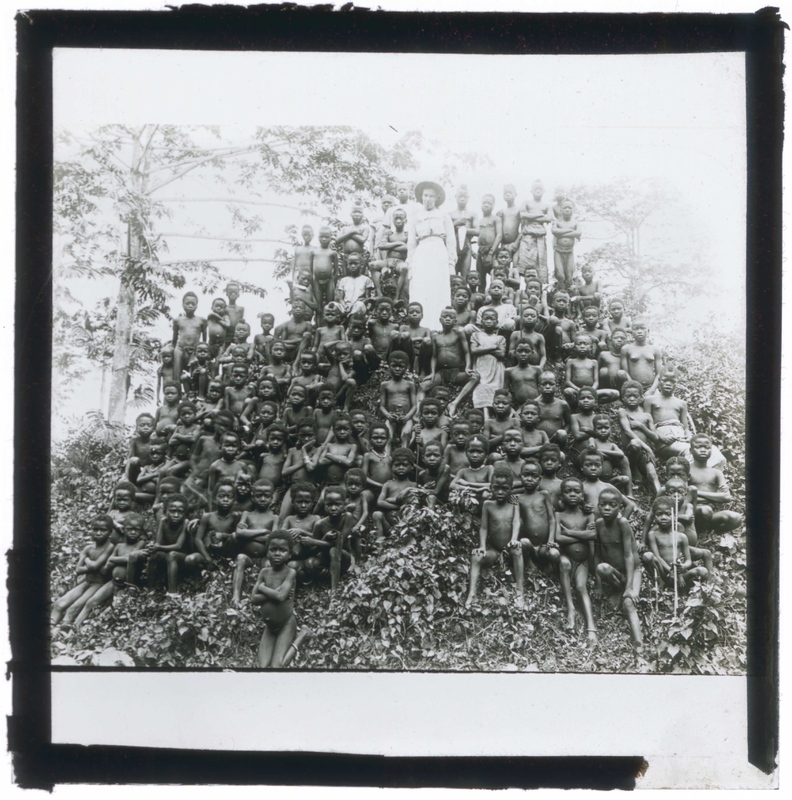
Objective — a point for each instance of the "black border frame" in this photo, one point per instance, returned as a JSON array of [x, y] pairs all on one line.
[[40, 764]]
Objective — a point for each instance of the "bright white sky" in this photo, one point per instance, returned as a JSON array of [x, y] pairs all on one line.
[[566, 119]]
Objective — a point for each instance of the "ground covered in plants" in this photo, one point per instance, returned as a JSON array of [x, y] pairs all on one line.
[[404, 609]]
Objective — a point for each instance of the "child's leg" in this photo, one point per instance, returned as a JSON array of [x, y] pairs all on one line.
[[607, 396], [570, 395], [581, 579], [173, 560], [565, 574], [283, 641], [467, 390], [688, 576], [477, 563], [702, 554], [61, 605], [101, 596], [569, 267], [266, 648], [518, 568], [242, 561], [178, 363], [559, 438], [77, 606], [304, 635], [406, 432], [725, 521], [134, 561]]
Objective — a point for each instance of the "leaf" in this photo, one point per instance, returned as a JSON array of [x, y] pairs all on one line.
[[672, 650]]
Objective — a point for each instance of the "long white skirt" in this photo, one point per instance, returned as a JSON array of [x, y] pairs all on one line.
[[430, 280]]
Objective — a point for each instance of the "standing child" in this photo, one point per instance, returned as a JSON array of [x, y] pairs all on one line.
[[335, 531], [581, 370], [532, 247], [664, 543], [537, 517], [377, 461], [262, 342], [560, 331], [499, 531], [501, 420], [166, 372], [218, 327], [565, 230], [489, 350], [325, 413], [436, 477], [228, 466], [455, 457], [587, 294], [537, 356], [464, 229], [490, 233], [415, 339], [338, 455], [612, 455], [643, 362], [252, 533], [359, 501], [331, 332], [638, 433], [393, 245], [428, 431], [555, 415], [575, 534], [355, 238], [550, 460], [611, 375], [533, 439], [510, 220], [397, 399], [296, 412], [324, 272], [236, 314], [303, 253], [598, 336], [167, 415], [278, 368], [522, 381], [200, 371], [381, 330], [581, 427], [187, 332]]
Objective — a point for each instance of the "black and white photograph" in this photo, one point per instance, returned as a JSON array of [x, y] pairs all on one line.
[[418, 375]]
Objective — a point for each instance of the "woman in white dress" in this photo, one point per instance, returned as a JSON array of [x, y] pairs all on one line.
[[431, 253]]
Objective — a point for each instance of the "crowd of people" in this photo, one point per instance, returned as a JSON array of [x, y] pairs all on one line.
[[261, 457]]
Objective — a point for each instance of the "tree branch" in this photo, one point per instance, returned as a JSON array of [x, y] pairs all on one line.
[[223, 238]]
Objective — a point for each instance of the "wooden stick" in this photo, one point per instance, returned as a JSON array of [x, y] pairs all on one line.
[[335, 566], [674, 519]]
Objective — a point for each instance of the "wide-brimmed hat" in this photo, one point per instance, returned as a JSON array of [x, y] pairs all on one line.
[[439, 191]]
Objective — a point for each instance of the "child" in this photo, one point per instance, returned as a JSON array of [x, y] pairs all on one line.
[[533, 439], [591, 467], [187, 332], [364, 358], [171, 543], [335, 530], [166, 372], [586, 295], [338, 455], [537, 355], [531, 246], [90, 571], [377, 462], [490, 233], [501, 420], [455, 456], [664, 543], [611, 375], [489, 350], [415, 339], [252, 533], [581, 428], [550, 461], [612, 455], [499, 530], [397, 399], [638, 433], [199, 371], [296, 411], [324, 272], [393, 244], [167, 414], [187, 431], [436, 477], [512, 445], [148, 477], [450, 361], [475, 419], [296, 332], [465, 316], [331, 332], [301, 520], [236, 314], [641, 361], [125, 561], [354, 289], [218, 327], [565, 230], [303, 253], [139, 446], [341, 376], [619, 565], [277, 368], [355, 238], [360, 431], [228, 465], [359, 501], [575, 535], [505, 311], [301, 291], [616, 318], [510, 219], [208, 408], [477, 475], [274, 592], [232, 354], [598, 337], [273, 460], [381, 330], [394, 491], [537, 518], [205, 452], [522, 381], [325, 413], [262, 342], [670, 416], [555, 415], [300, 463], [464, 229], [475, 284], [712, 489], [120, 507], [308, 377], [560, 332], [237, 396], [214, 536]]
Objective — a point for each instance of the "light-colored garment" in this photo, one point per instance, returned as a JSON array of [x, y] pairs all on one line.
[[431, 255], [409, 208], [490, 369], [505, 311], [353, 290]]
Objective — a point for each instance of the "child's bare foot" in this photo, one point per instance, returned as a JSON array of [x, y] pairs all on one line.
[[305, 635], [591, 634], [519, 601], [469, 602]]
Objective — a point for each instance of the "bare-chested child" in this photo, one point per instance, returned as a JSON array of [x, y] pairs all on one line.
[[149, 476], [511, 446], [611, 375], [499, 531], [427, 430], [591, 467], [465, 229], [638, 434], [454, 456], [450, 362], [188, 330], [460, 302], [436, 477], [121, 505], [140, 446], [274, 592], [358, 503], [503, 418], [206, 451], [167, 415], [237, 395], [126, 561], [566, 231], [590, 326], [397, 399], [262, 342], [613, 457], [616, 317], [531, 247], [300, 464], [90, 572], [559, 195], [665, 543], [587, 294], [670, 417], [555, 415], [337, 454], [575, 534], [537, 356], [490, 234], [297, 333], [415, 339], [537, 517], [301, 522], [324, 413], [303, 253], [331, 332], [393, 245], [619, 566], [377, 461], [533, 439], [522, 381], [381, 330], [642, 361], [187, 430], [251, 534], [332, 534], [560, 332], [228, 465], [218, 327], [477, 474], [215, 534], [713, 490], [394, 491], [236, 314], [273, 459], [581, 428], [166, 372], [355, 238], [171, 545], [324, 272]]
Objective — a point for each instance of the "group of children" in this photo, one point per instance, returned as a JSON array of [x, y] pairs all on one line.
[[260, 457]]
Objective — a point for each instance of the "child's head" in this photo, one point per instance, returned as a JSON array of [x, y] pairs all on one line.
[[430, 412], [529, 414], [326, 397], [399, 218], [475, 419], [529, 317], [701, 447], [334, 499], [609, 503], [190, 303], [399, 362], [357, 214], [402, 462], [229, 446], [325, 235], [268, 412], [487, 203], [550, 458], [415, 312], [617, 339], [306, 431], [267, 322], [509, 193], [602, 426], [590, 316], [587, 398], [640, 330], [559, 194], [308, 362], [168, 486], [342, 427], [433, 454], [354, 265], [501, 483], [460, 431], [356, 326], [668, 380], [219, 306], [157, 452], [473, 281], [567, 207], [232, 291], [303, 497], [489, 320], [123, 495], [560, 301], [224, 494], [355, 481], [678, 467], [166, 355], [144, 424], [461, 298], [496, 290], [501, 402], [531, 474], [571, 492], [476, 448], [170, 393], [442, 394], [632, 393], [537, 189], [547, 383], [187, 412], [267, 388], [279, 548], [298, 394], [359, 422], [524, 350], [175, 508], [343, 352], [134, 527], [276, 436], [239, 374], [663, 508], [616, 308], [307, 233], [591, 463], [202, 352], [533, 286], [383, 309], [241, 332], [101, 528], [676, 488], [379, 436], [332, 313], [262, 492], [512, 442]]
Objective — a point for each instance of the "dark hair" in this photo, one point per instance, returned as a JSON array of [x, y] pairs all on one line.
[[228, 434], [403, 453], [105, 519], [631, 385], [172, 498], [502, 393], [185, 404], [589, 390], [265, 482], [398, 356], [383, 301], [225, 416], [433, 443], [458, 423], [303, 486], [126, 486], [135, 517], [610, 490], [336, 488], [226, 483], [280, 536], [171, 383], [477, 438], [592, 451], [662, 502], [355, 472], [568, 481], [550, 447], [678, 460], [534, 462], [502, 471], [189, 294], [277, 426], [599, 417], [431, 402], [144, 415]]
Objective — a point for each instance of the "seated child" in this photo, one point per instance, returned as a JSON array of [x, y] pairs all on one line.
[[90, 572], [499, 531], [252, 533], [167, 415], [502, 419], [436, 477], [171, 545], [215, 534], [611, 375], [187, 430], [581, 370], [126, 561], [149, 476], [139, 446], [165, 372], [713, 490], [597, 335], [428, 430], [537, 517], [523, 380], [537, 355], [278, 368], [575, 534], [395, 491], [262, 342], [120, 507], [455, 456], [332, 534], [619, 567], [477, 475], [354, 289], [638, 433], [511, 446], [533, 439], [581, 428], [358, 503], [337, 455], [554, 414], [591, 466], [200, 370], [377, 461], [587, 294], [613, 457]]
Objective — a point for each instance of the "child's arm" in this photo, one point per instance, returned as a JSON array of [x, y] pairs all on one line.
[[483, 528], [367, 461], [722, 493], [651, 541], [384, 400], [568, 382], [386, 499], [168, 548], [200, 546], [682, 544], [570, 536], [263, 593], [175, 332]]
